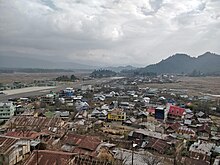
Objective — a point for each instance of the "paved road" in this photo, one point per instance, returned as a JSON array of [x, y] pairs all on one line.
[[75, 85]]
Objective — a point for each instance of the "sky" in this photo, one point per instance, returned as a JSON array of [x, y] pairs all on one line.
[[109, 32]]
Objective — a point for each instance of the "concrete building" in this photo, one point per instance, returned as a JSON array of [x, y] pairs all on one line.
[[117, 115], [161, 113], [49, 99], [6, 111]]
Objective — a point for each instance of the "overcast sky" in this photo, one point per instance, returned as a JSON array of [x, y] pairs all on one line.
[[109, 32]]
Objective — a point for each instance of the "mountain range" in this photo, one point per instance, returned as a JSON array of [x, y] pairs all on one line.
[[208, 63]]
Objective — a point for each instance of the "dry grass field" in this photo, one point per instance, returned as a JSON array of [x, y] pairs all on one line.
[[194, 85], [30, 77]]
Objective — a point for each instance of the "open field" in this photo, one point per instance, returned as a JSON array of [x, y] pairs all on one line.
[[194, 85], [30, 77]]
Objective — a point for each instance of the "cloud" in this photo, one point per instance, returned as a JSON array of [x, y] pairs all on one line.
[[109, 32]]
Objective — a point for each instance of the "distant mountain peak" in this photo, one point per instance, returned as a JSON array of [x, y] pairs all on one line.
[[208, 54], [183, 63]]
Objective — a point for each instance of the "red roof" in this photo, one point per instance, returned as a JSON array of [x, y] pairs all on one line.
[[23, 134], [47, 157], [6, 143], [174, 126], [86, 145], [176, 111], [158, 145], [151, 110]]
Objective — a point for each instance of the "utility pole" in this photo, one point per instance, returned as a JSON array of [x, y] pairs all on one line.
[[132, 156], [37, 157]]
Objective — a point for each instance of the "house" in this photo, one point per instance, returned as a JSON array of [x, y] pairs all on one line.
[[189, 116], [62, 114], [100, 114], [46, 157], [117, 115], [187, 122], [13, 150], [32, 135], [36, 123], [190, 161], [186, 132], [68, 92], [204, 120], [204, 132], [81, 115], [19, 109], [146, 100], [173, 127], [200, 114], [81, 105], [86, 87], [161, 113], [49, 99], [124, 105], [6, 111], [175, 112], [142, 134], [201, 150], [158, 145], [151, 111], [143, 115], [99, 97], [129, 121], [80, 144]]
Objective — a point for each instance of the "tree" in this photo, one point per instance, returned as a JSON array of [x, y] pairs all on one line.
[[73, 77], [67, 78], [103, 73]]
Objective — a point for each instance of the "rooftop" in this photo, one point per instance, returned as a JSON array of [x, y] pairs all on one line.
[[6, 143], [47, 157]]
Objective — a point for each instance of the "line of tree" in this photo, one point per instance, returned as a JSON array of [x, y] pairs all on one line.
[[137, 72], [66, 78], [103, 73]]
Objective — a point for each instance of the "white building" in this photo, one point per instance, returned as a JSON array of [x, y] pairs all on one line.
[[6, 111]]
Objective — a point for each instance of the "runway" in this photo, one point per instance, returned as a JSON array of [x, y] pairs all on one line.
[[39, 91]]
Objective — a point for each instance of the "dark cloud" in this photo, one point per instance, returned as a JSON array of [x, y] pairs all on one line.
[[109, 32]]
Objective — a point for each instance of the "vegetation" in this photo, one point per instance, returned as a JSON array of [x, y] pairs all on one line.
[[196, 73], [137, 72], [103, 73], [66, 78]]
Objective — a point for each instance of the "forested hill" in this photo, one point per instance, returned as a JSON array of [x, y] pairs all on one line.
[[208, 63]]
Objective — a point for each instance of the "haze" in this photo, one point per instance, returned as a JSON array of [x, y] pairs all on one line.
[[108, 32]]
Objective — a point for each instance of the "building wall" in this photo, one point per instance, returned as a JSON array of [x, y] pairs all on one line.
[[18, 153], [6, 111], [117, 117], [159, 114]]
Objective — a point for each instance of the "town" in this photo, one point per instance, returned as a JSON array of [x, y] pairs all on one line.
[[110, 121]]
